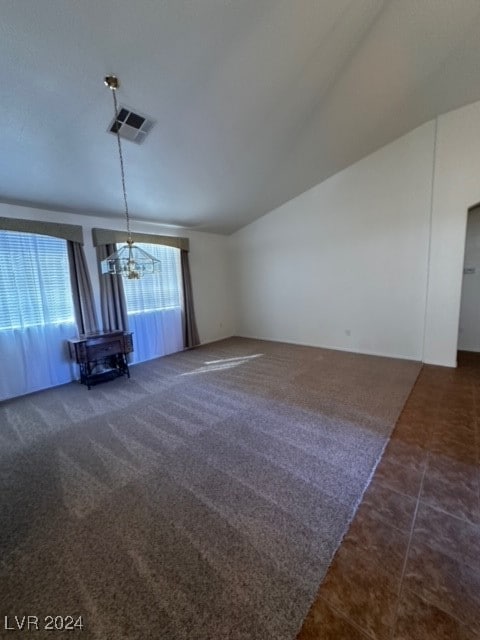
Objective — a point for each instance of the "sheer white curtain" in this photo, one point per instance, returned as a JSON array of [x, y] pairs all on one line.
[[156, 333], [36, 313], [154, 306]]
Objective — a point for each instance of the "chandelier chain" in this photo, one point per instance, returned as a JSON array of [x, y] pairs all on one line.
[[129, 261], [122, 168]]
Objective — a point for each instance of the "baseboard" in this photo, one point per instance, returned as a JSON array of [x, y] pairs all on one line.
[[215, 340], [452, 365], [365, 352]]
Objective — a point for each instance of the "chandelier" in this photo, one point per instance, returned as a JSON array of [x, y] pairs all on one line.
[[129, 261]]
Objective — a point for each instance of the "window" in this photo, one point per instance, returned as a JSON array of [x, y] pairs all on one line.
[[36, 313], [35, 285], [158, 291], [155, 306]]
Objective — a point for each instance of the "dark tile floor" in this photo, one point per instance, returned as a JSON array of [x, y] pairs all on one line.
[[409, 566]]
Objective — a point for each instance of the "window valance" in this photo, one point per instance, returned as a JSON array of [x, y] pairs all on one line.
[[109, 236], [71, 232]]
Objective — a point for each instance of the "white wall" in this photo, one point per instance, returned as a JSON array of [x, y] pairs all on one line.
[[371, 259], [469, 329], [456, 189], [344, 265], [209, 264]]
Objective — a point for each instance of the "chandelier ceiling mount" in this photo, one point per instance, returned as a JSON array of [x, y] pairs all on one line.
[[129, 261]]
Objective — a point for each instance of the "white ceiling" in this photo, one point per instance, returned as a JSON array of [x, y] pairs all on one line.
[[255, 100]]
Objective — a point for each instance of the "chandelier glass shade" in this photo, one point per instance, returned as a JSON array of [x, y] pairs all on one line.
[[128, 261], [131, 262]]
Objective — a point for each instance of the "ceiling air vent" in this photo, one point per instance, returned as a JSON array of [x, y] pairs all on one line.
[[131, 125]]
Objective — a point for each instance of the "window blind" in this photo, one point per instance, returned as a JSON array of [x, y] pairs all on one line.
[[156, 291], [34, 281]]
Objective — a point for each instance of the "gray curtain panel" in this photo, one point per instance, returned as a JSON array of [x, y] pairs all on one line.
[[83, 304], [112, 295], [190, 331]]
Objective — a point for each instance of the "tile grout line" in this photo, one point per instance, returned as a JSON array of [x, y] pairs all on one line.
[[337, 611], [404, 567], [419, 502], [463, 520], [453, 616], [477, 441]]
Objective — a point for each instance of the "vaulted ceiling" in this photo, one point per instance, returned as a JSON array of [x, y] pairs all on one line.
[[254, 100]]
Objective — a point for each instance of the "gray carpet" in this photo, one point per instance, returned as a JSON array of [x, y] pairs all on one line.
[[201, 499]]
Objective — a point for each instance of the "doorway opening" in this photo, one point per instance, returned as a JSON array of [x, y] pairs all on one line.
[[469, 322]]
